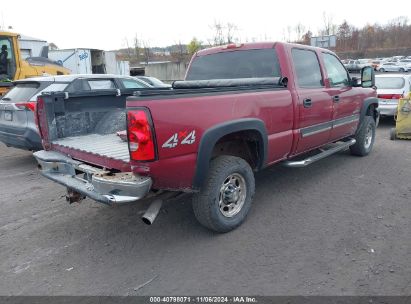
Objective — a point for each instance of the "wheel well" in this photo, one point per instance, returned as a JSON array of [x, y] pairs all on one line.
[[372, 111], [244, 144]]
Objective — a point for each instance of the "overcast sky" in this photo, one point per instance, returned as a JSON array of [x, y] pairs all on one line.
[[108, 24]]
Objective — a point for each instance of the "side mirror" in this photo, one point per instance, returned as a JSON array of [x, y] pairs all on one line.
[[367, 77]]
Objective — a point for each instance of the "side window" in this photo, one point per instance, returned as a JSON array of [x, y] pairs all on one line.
[[131, 84], [78, 85], [101, 84], [336, 72], [307, 68]]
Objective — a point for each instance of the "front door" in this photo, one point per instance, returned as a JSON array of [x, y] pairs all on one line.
[[314, 105], [345, 98]]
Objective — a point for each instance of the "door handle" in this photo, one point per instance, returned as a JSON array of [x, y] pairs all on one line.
[[307, 102], [336, 98]]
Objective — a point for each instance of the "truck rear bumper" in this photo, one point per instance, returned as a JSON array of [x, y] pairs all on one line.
[[95, 183]]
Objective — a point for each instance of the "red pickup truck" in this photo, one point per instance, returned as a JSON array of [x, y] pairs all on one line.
[[241, 108]]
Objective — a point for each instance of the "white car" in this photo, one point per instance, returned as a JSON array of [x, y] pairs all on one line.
[[390, 88], [406, 62], [393, 67]]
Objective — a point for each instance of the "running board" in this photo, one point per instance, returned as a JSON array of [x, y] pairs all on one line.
[[309, 160]]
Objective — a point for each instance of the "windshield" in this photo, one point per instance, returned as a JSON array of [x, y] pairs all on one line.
[[389, 82], [7, 60], [235, 64]]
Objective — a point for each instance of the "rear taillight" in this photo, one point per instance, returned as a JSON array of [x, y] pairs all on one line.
[[390, 96], [140, 136], [31, 106]]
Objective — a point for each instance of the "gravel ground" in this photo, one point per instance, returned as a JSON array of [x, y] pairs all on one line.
[[338, 227]]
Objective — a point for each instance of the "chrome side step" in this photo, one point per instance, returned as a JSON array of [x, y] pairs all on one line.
[[309, 160]]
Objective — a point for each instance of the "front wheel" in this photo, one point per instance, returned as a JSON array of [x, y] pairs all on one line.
[[225, 199], [382, 70], [365, 137]]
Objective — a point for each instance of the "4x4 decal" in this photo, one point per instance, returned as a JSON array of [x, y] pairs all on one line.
[[184, 137]]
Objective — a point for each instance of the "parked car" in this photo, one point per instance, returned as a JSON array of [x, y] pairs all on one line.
[[390, 88], [242, 107], [154, 82], [393, 67], [357, 65], [406, 62], [376, 64], [17, 107]]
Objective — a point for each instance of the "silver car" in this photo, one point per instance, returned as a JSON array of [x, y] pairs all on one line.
[[17, 108], [390, 88], [393, 67]]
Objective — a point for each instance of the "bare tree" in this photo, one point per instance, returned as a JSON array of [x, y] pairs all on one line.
[[146, 51], [179, 53], [299, 30], [329, 27], [128, 49], [137, 48], [223, 33], [289, 30], [231, 29]]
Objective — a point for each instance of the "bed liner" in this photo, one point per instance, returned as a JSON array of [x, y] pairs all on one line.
[[107, 145]]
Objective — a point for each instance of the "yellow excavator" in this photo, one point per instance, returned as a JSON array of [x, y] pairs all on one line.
[[14, 67]]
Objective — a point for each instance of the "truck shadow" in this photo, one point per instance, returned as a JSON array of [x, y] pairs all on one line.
[[114, 242]]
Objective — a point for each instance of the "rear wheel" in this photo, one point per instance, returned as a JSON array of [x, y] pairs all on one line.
[[225, 199], [393, 134], [365, 137], [402, 70]]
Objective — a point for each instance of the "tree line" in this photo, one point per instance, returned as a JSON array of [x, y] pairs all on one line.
[[372, 40]]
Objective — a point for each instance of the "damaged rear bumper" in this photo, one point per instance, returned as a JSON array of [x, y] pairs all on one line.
[[97, 184]]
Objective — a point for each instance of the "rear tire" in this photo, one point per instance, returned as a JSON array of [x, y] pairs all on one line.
[[225, 199], [393, 134], [365, 137], [402, 70]]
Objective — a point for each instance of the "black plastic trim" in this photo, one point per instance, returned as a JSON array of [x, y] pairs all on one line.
[[311, 130], [155, 94], [367, 102], [211, 137]]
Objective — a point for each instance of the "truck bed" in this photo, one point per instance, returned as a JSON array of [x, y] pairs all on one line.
[[107, 145]]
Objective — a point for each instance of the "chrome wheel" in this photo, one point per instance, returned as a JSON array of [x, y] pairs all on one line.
[[368, 137], [233, 193]]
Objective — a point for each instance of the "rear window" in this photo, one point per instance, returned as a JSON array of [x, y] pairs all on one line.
[[235, 64], [389, 82], [21, 92], [54, 87]]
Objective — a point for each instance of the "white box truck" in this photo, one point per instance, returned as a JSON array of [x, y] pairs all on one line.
[[90, 61]]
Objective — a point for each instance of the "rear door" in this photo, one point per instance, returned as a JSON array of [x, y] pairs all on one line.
[[314, 103], [346, 100]]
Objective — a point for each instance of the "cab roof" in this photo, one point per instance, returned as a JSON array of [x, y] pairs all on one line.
[[253, 46]]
